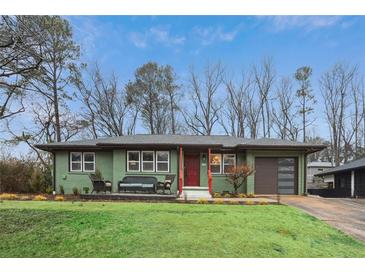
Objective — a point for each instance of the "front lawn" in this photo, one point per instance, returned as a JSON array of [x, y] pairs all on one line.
[[97, 229]]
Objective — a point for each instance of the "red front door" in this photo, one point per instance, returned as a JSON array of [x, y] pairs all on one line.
[[191, 170]]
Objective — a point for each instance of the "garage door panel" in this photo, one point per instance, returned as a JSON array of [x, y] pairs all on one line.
[[275, 175], [266, 175]]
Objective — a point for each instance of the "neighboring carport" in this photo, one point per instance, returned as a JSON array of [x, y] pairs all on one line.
[[349, 180]]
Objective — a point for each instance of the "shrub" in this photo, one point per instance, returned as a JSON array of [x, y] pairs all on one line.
[[233, 202], [75, 191], [86, 190], [263, 203], [62, 190], [227, 195], [241, 195], [237, 176], [59, 198], [202, 201], [49, 190], [249, 202], [250, 195], [98, 174], [39, 198], [8, 196], [23, 175], [219, 202], [217, 195]]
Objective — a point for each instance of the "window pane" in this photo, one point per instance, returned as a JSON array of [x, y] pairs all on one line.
[[229, 159], [76, 166], [89, 157], [134, 166], [215, 159], [162, 156], [215, 168], [148, 166], [133, 156], [76, 156], [228, 168], [162, 167], [147, 156], [89, 166]]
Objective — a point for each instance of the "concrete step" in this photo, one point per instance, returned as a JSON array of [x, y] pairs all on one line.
[[195, 194], [195, 188]]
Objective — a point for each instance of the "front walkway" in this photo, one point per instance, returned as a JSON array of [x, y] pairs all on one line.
[[345, 214]]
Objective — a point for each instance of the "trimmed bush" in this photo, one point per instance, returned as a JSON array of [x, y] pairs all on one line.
[[227, 195], [217, 195], [219, 202], [250, 195], [8, 196], [233, 202], [249, 202], [202, 201], [59, 198], [241, 195], [39, 198], [263, 203]]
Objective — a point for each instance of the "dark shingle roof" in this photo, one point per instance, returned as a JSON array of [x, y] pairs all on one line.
[[185, 140], [360, 163]]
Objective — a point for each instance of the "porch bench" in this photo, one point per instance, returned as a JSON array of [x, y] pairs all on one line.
[[138, 184]]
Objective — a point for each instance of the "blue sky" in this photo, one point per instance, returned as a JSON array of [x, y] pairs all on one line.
[[122, 43]]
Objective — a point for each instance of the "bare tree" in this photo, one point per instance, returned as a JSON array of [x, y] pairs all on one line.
[[284, 112], [264, 75], [203, 113], [154, 93], [20, 57], [235, 109], [335, 86], [60, 54], [107, 110]]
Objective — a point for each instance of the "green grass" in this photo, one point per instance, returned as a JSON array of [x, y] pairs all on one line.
[[96, 229]]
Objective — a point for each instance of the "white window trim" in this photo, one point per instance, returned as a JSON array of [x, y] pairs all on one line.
[[88, 162], [139, 161], [226, 165], [153, 161], [220, 165], [168, 161], [71, 162]]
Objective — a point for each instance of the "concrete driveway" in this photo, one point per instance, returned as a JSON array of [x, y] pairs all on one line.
[[345, 214]]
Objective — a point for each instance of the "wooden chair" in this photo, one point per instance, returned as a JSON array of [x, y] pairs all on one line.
[[100, 184], [166, 185]]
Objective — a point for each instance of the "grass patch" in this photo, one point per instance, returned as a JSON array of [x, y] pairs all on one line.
[[96, 229]]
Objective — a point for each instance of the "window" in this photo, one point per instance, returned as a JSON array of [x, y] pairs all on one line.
[[89, 161], [215, 163], [133, 161], [148, 161], [162, 161], [229, 162], [76, 161]]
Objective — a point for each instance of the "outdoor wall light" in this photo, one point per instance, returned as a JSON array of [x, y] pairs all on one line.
[[204, 158]]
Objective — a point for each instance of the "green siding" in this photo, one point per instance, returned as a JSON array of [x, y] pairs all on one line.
[[219, 182], [69, 180], [112, 165]]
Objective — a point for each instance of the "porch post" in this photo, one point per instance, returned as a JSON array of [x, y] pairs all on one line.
[[209, 174], [180, 170], [352, 183]]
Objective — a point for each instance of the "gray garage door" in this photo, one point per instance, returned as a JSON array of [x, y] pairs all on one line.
[[275, 175]]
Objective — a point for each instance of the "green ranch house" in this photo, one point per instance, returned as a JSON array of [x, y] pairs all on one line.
[[138, 162]]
